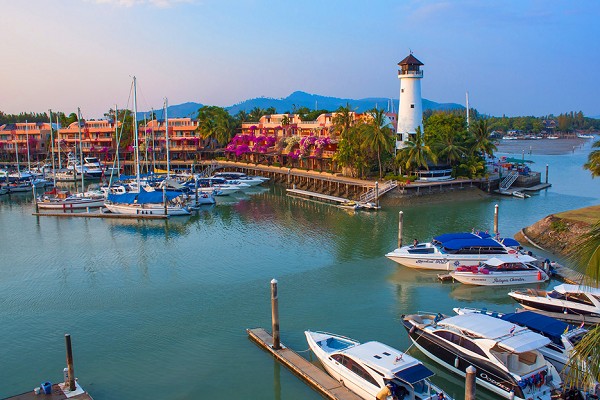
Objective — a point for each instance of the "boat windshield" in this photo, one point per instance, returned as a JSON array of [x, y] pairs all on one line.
[[576, 338]]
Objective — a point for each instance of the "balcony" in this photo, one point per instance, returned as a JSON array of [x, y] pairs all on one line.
[[415, 74]]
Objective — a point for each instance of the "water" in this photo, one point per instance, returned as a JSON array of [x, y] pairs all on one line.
[[159, 309]]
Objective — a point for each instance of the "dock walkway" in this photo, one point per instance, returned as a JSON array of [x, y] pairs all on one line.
[[59, 392], [311, 374]]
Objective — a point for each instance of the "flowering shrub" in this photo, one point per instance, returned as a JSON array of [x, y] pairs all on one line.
[[305, 144], [242, 149], [291, 142], [294, 155], [320, 144], [271, 140]]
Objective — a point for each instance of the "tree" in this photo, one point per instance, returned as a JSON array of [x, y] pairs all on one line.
[[479, 141], [342, 121], [255, 114], [377, 135], [416, 153], [216, 125], [593, 163]]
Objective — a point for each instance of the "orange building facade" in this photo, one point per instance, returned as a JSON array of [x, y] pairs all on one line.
[[21, 137]]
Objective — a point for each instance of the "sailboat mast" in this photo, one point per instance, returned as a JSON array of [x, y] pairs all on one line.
[[118, 140], [17, 156], [52, 144], [80, 151], [467, 110], [167, 138], [58, 142], [153, 144], [27, 139], [135, 135]]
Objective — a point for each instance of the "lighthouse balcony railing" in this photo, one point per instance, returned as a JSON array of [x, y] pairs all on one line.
[[411, 73]]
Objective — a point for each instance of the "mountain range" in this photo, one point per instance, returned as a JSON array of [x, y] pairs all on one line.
[[300, 99]]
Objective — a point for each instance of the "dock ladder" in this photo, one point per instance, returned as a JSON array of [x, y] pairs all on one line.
[[371, 194], [509, 180]]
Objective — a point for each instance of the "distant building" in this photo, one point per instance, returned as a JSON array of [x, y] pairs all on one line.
[[97, 138], [21, 136], [184, 142]]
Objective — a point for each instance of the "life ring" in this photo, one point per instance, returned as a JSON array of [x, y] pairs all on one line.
[[512, 251]]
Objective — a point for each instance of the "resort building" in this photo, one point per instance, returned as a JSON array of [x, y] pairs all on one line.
[[184, 141], [24, 138], [97, 139]]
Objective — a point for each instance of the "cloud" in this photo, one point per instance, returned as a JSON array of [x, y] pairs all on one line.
[[153, 3]]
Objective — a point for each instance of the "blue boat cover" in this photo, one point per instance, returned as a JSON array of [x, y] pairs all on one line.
[[547, 326], [143, 197], [462, 243], [461, 235], [509, 242], [414, 374]]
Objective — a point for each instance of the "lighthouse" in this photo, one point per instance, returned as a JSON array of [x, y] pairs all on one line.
[[410, 111]]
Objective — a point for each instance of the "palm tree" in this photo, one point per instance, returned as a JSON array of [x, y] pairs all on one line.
[[377, 135], [448, 149], [342, 121], [480, 140], [255, 114], [416, 153], [593, 163]]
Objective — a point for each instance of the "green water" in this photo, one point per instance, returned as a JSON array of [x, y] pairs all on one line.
[[159, 309]]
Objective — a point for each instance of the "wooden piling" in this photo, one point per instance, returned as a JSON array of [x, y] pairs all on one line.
[[470, 383], [400, 223], [496, 219], [546, 173], [275, 315], [70, 368]]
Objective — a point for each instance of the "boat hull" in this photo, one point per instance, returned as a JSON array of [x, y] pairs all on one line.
[[499, 279], [70, 205], [556, 306], [447, 262], [145, 209]]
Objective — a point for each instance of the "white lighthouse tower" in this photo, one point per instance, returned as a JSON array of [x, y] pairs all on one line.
[[410, 111]]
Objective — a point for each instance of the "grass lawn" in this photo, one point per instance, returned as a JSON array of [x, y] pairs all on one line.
[[589, 215]]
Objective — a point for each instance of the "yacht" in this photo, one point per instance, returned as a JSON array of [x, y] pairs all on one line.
[[368, 368], [450, 250], [501, 270], [568, 299], [242, 177], [506, 356], [93, 167], [562, 335]]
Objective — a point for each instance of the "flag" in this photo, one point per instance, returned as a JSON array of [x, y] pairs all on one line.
[[512, 330]]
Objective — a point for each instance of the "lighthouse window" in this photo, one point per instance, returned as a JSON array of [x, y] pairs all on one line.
[[402, 90], [412, 106]]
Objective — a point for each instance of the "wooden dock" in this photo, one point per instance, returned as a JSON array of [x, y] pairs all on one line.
[[59, 392], [99, 215], [318, 379], [338, 201]]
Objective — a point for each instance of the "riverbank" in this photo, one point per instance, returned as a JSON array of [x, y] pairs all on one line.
[[542, 146], [560, 233]]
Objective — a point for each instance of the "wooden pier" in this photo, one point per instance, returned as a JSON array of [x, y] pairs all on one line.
[[100, 215], [60, 391], [318, 379]]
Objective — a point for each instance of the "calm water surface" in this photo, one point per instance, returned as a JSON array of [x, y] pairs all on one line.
[[159, 309]]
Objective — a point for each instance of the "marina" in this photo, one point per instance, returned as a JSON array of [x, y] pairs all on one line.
[[172, 292]]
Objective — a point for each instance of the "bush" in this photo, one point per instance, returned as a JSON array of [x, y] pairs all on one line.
[[559, 226]]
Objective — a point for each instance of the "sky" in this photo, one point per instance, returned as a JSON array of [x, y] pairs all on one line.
[[514, 57]]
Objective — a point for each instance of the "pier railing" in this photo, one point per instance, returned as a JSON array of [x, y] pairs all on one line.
[[509, 180], [372, 193]]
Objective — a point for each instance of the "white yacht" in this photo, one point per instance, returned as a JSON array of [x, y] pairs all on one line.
[[501, 270], [242, 177], [506, 356], [569, 299], [368, 368], [562, 335], [451, 250]]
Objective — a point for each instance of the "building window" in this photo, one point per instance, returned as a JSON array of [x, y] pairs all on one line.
[[412, 106], [401, 90]]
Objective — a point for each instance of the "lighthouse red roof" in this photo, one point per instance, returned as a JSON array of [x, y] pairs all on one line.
[[410, 60]]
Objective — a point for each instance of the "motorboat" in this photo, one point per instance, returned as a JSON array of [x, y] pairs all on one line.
[[562, 336], [505, 269], [520, 194], [569, 299], [220, 184], [583, 136], [368, 369], [506, 356], [242, 177], [450, 250], [93, 167]]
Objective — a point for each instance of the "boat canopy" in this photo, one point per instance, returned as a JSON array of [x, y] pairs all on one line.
[[548, 326], [460, 235], [564, 289], [509, 242], [513, 338], [414, 374], [143, 197], [458, 244]]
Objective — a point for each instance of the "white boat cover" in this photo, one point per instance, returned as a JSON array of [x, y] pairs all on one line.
[[564, 288], [509, 258], [509, 336], [382, 357]]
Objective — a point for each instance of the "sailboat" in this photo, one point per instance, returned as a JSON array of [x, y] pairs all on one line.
[[144, 201], [60, 199]]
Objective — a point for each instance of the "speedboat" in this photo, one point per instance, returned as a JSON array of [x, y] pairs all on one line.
[[569, 299], [506, 269], [450, 250], [562, 335], [242, 177], [368, 368], [520, 194], [506, 356]]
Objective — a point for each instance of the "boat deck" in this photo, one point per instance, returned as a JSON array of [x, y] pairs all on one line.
[[318, 379], [57, 394]]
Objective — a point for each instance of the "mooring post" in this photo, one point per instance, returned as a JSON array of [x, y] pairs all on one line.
[[70, 369], [496, 219], [165, 198], [546, 173], [400, 222], [470, 383], [275, 315], [37, 209], [377, 192], [196, 188]]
